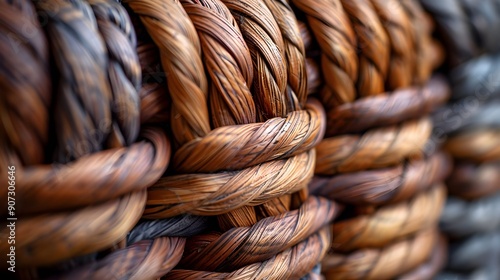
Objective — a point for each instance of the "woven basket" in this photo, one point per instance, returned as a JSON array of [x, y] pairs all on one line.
[[376, 59], [471, 127], [166, 139]]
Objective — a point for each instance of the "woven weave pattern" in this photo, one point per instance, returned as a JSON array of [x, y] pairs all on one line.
[[470, 126], [376, 59]]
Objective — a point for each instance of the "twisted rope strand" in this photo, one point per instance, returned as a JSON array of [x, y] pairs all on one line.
[[300, 259], [257, 143], [124, 71], [24, 128], [173, 32], [48, 188], [383, 186], [398, 28], [373, 45], [335, 36], [387, 109], [243, 246], [227, 61], [385, 263], [376, 148], [83, 101], [294, 52], [218, 193], [66, 234], [481, 145], [390, 222], [265, 41], [136, 262]]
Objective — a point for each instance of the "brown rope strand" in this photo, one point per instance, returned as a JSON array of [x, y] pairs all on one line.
[[24, 128], [227, 61], [376, 148], [172, 31], [243, 246]]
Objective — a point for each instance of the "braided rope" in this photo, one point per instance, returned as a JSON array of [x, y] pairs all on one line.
[[24, 128], [83, 104], [429, 53], [383, 186], [172, 31], [335, 36], [54, 187], [431, 268], [386, 263], [294, 52], [390, 222], [478, 145], [124, 71], [399, 30], [471, 181], [218, 193], [227, 61], [264, 39], [91, 114], [373, 45], [243, 246], [63, 235], [275, 139], [300, 259], [147, 259], [387, 109], [376, 148]]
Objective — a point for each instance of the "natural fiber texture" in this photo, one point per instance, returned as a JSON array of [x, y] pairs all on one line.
[[92, 194], [398, 27], [477, 145], [294, 51], [180, 50], [386, 263], [218, 193], [387, 109], [300, 259], [480, 250], [129, 169], [373, 44], [265, 41], [429, 53], [461, 218], [374, 149], [179, 226], [335, 35], [389, 223], [466, 28], [239, 247], [148, 259], [23, 128], [432, 266], [46, 239], [277, 138], [383, 186], [83, 106], [471, 181]]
